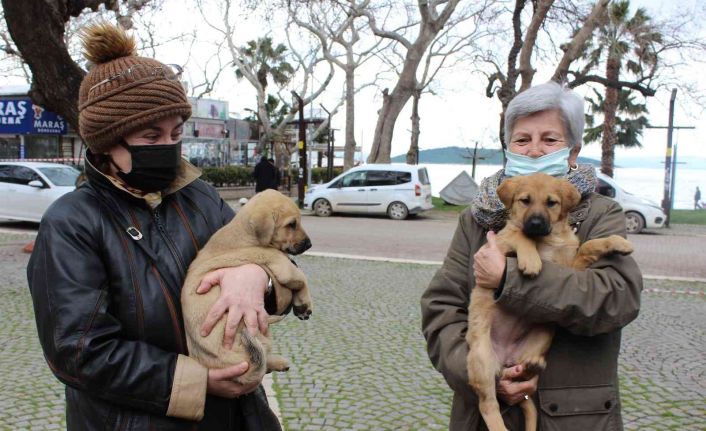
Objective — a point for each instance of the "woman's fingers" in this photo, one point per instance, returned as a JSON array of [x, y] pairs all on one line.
[[209, 280], [232, 322], [262, 321], [251, 322], [229, 373], [214, 315]]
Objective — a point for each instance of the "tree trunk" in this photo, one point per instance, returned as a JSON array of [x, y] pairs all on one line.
[[394, 102], [610, 106], [349, 149], [37, 28], [413, 153]]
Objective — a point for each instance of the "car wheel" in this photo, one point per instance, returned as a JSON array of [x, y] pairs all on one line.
[[397, 211], [322, 208], [634, 222]]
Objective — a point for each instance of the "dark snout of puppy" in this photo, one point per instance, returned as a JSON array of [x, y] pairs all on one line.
[[536, 225], [300, 247]]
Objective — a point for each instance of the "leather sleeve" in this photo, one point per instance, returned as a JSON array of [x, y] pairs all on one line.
[[445, 310], [80, 338], [601, 299]]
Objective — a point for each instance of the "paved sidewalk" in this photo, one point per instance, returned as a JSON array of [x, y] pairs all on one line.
[[360, 362]]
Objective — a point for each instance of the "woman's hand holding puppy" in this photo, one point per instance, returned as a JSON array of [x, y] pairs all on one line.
[[489, 264], [220, 381], [242, 296]]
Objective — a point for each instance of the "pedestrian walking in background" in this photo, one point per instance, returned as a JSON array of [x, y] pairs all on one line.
[[578, 390], [266, 175], [110, 260], [697, 198]]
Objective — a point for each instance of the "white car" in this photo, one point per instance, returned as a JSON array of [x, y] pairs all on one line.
[[397, 190], [640, 213], [28, 188]]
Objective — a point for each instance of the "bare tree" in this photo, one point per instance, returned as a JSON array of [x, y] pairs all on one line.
[[519, 59], [433, 16], [51, 59], [305, 63], [449, 50], [339, 31]]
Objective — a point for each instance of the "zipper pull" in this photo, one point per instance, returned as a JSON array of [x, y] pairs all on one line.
[[134, 233]]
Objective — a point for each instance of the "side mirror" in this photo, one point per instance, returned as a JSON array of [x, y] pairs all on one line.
[[36, 183]]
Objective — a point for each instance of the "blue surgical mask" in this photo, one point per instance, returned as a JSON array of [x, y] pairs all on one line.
[[555, 164]]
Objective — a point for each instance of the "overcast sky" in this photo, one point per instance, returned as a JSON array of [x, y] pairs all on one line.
[[458, 114]]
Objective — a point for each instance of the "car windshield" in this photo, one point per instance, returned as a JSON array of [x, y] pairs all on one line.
[[61, 175]]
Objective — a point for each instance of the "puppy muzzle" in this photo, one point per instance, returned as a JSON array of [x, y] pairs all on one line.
[[536, 226], [300, 247]]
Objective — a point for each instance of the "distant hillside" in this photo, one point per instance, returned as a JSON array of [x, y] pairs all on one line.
[[463, 156]]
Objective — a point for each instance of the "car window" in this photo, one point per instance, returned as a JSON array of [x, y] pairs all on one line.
[[17, 174], [605, 189], [355, 179], [404, 177], [61, 175], [382, 178], [423, 177]]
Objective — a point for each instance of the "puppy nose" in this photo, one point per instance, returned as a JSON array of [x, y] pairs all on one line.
[[536, 226], [307, 244]]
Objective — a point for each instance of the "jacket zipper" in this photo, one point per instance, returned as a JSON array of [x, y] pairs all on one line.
[[172, 248]]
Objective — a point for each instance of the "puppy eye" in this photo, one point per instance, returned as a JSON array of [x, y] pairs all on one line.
[[292, 225], [525, 201], [551, 203]]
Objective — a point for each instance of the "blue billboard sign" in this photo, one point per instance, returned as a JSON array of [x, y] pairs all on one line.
[[18, 115]]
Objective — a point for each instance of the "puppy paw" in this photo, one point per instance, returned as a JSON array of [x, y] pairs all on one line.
[[302, 311], [620, 245], [534, 366], [529, 266], [277, 363]]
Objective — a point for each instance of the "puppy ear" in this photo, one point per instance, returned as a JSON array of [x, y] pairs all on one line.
[[506, 191], [263, 226], [570, 197]]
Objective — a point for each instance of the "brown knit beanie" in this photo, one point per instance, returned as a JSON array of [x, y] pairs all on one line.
[[128, 101]]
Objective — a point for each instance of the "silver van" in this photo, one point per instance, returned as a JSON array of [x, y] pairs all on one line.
[[396, 189]]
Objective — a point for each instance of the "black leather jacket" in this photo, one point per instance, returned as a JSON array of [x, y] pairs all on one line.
[[109, 319]]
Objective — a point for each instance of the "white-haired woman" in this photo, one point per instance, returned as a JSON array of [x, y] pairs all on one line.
[[579, 388]]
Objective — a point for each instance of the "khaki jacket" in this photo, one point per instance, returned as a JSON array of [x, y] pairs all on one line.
[[579, 388]]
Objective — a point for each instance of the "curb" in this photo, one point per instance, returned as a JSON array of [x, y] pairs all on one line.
[[439, 263]]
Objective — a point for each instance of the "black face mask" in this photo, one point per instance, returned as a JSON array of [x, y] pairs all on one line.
[[154, 167]]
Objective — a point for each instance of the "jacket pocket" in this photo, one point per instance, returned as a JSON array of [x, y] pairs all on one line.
[[592, 408]]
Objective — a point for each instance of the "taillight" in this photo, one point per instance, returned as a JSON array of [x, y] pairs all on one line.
[[417, 190]]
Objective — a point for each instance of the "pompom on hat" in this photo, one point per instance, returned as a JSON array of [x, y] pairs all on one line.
[[123, 92]]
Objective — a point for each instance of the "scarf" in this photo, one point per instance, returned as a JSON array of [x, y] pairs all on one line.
[[490, 213]]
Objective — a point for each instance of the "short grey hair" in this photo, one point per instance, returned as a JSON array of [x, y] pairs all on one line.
[[547, 97]]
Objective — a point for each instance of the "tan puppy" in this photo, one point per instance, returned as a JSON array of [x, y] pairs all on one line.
[[537, 228], [263, 232]]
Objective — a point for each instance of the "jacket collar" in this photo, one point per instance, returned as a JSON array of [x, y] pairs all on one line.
[[187, 174]]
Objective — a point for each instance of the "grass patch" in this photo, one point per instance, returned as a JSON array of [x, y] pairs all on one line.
[[687, 217], [440, 205]]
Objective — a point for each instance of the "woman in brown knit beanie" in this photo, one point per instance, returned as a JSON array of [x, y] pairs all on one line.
[[110, 259]]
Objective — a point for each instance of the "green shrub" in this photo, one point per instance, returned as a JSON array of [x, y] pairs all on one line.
[[228, 176], [318, 175]]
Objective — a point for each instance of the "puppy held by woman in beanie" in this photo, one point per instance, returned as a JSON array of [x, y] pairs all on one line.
[[537, 228], [265, 230]]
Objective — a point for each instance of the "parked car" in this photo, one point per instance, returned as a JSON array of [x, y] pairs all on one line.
[[640, 213], [28, 188], [397, 190]]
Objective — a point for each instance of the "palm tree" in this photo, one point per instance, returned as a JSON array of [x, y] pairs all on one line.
[[267, 61], [621, 40], [629, 120]]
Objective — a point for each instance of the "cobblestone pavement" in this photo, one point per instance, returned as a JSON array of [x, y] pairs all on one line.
[[360, 362]]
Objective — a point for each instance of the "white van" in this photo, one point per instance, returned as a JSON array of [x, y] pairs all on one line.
[[640, 213], [396, 189]]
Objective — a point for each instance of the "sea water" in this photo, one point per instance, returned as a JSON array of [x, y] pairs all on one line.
[[644, 182]]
